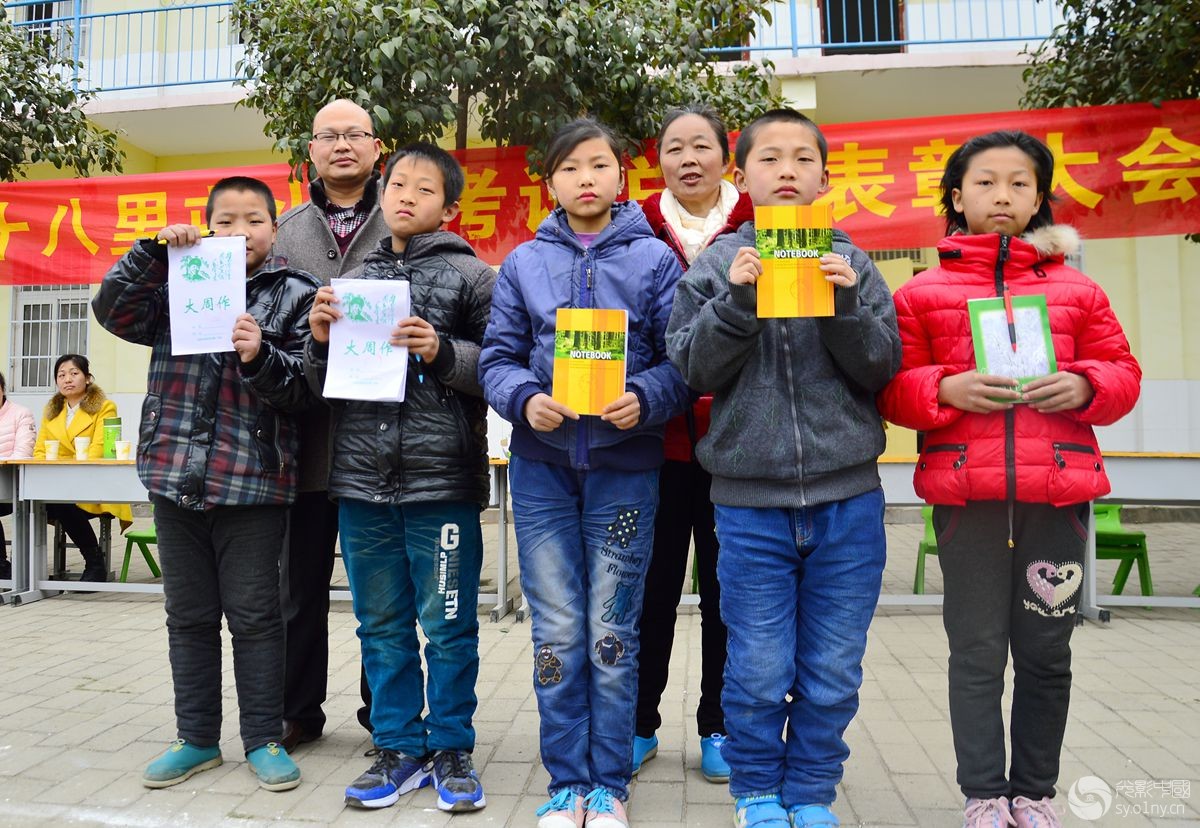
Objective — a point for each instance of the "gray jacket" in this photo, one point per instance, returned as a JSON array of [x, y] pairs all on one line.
[[306, 241], [794, 421]]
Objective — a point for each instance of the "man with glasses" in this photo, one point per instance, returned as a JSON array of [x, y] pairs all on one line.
[[328, 237]]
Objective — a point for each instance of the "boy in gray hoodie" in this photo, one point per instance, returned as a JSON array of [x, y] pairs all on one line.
[[792, 449]]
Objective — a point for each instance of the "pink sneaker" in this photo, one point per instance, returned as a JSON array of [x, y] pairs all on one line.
[[987, 813], [564, 810], [1031, 813], [604, 810]]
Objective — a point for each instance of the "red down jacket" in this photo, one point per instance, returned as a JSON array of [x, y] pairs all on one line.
[[683, 432], [1052, 458]]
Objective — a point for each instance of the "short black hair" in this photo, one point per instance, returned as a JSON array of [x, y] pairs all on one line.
[[80, 361], [574, 133], [708, 114], [453, 179], [960, 160], [240, 184], [745, 141]]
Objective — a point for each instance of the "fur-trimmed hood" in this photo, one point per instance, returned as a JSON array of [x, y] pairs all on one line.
[[92, 401], [1054, 240]]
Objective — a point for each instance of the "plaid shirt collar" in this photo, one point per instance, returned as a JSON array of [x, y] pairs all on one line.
[[345, 220]]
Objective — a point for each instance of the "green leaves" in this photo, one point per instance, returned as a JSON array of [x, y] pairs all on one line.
[[524, 67], [41, 115], [1117, 51]]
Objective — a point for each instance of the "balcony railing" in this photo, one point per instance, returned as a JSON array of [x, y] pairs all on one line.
[[139, 50], [196, 44]]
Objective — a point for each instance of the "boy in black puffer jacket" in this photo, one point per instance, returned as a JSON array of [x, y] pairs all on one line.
[[410, 478]]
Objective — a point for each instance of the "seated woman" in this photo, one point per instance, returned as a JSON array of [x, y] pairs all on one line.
[[17, 433], [79, 409]]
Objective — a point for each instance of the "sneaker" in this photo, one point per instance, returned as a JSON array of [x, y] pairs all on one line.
[[643, 751], [604, 810], [457, 783], [1030, 813], [712, 764], [762, 811], [390, 776], [274, 768], [812, 816], [564, 810], [181, 761], [987, 813]]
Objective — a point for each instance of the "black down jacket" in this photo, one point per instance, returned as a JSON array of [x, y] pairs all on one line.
[[432, 446]]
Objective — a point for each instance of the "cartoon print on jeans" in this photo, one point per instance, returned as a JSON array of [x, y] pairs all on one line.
[[624, 529], [548, 665], [1054, 586], [618, 604], [610, 649]]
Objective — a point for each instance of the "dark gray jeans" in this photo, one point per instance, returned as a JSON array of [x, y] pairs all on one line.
[[997, 598], [224, 559]]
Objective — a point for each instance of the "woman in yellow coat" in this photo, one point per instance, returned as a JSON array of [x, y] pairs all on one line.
[[79, 409]]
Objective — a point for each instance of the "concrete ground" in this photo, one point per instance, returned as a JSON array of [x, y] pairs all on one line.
[[86, 702]]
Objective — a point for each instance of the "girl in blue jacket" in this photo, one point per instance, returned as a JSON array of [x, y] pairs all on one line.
[[584, 488]]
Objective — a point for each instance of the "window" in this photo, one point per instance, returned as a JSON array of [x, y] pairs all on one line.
[[855, 27], [47, 323]]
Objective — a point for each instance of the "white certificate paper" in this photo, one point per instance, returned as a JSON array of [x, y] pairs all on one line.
[[206, 292], [363, 364]]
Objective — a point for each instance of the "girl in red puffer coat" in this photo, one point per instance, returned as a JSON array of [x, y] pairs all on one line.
[[1010, 469]]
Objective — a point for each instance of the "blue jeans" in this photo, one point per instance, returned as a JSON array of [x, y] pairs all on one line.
[[584, 541], [224, 559], [798, 590], [410, 563]]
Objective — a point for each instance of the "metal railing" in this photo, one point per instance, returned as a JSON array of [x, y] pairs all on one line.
[[196, 44], [142, 49], [833, 27]]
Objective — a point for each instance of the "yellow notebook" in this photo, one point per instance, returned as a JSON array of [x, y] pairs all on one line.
[[791, 241], [589, 358]]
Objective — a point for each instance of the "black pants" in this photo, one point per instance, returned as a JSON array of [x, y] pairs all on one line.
[[77, 524], [684, 511], [223, 561], [305, 572], [996, 598], [5, 509]]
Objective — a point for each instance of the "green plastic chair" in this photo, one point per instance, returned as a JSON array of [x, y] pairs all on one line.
[[927, 546], [143, 538], [1116, 543]]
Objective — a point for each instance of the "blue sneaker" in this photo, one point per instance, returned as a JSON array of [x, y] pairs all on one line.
[[457, 783], [812, 816], [712, 764], [274, 768], [181, 761], [643, 750], [390, 776], [762, 811]]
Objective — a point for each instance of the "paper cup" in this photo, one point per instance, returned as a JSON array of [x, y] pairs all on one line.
[[82, 444], [52, 449], [124, 449]]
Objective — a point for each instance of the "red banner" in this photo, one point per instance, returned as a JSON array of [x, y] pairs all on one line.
[[1128, 170]]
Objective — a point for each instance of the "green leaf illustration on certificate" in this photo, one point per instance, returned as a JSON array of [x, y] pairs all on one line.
[[1012, 341]]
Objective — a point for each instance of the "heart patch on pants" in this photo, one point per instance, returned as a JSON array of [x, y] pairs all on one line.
[[1054, 585]]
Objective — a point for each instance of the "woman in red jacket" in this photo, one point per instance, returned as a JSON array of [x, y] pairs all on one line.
[[697, 207], [1009, 468]]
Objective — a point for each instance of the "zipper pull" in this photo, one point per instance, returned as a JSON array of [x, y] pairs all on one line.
[[1058, 458]]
